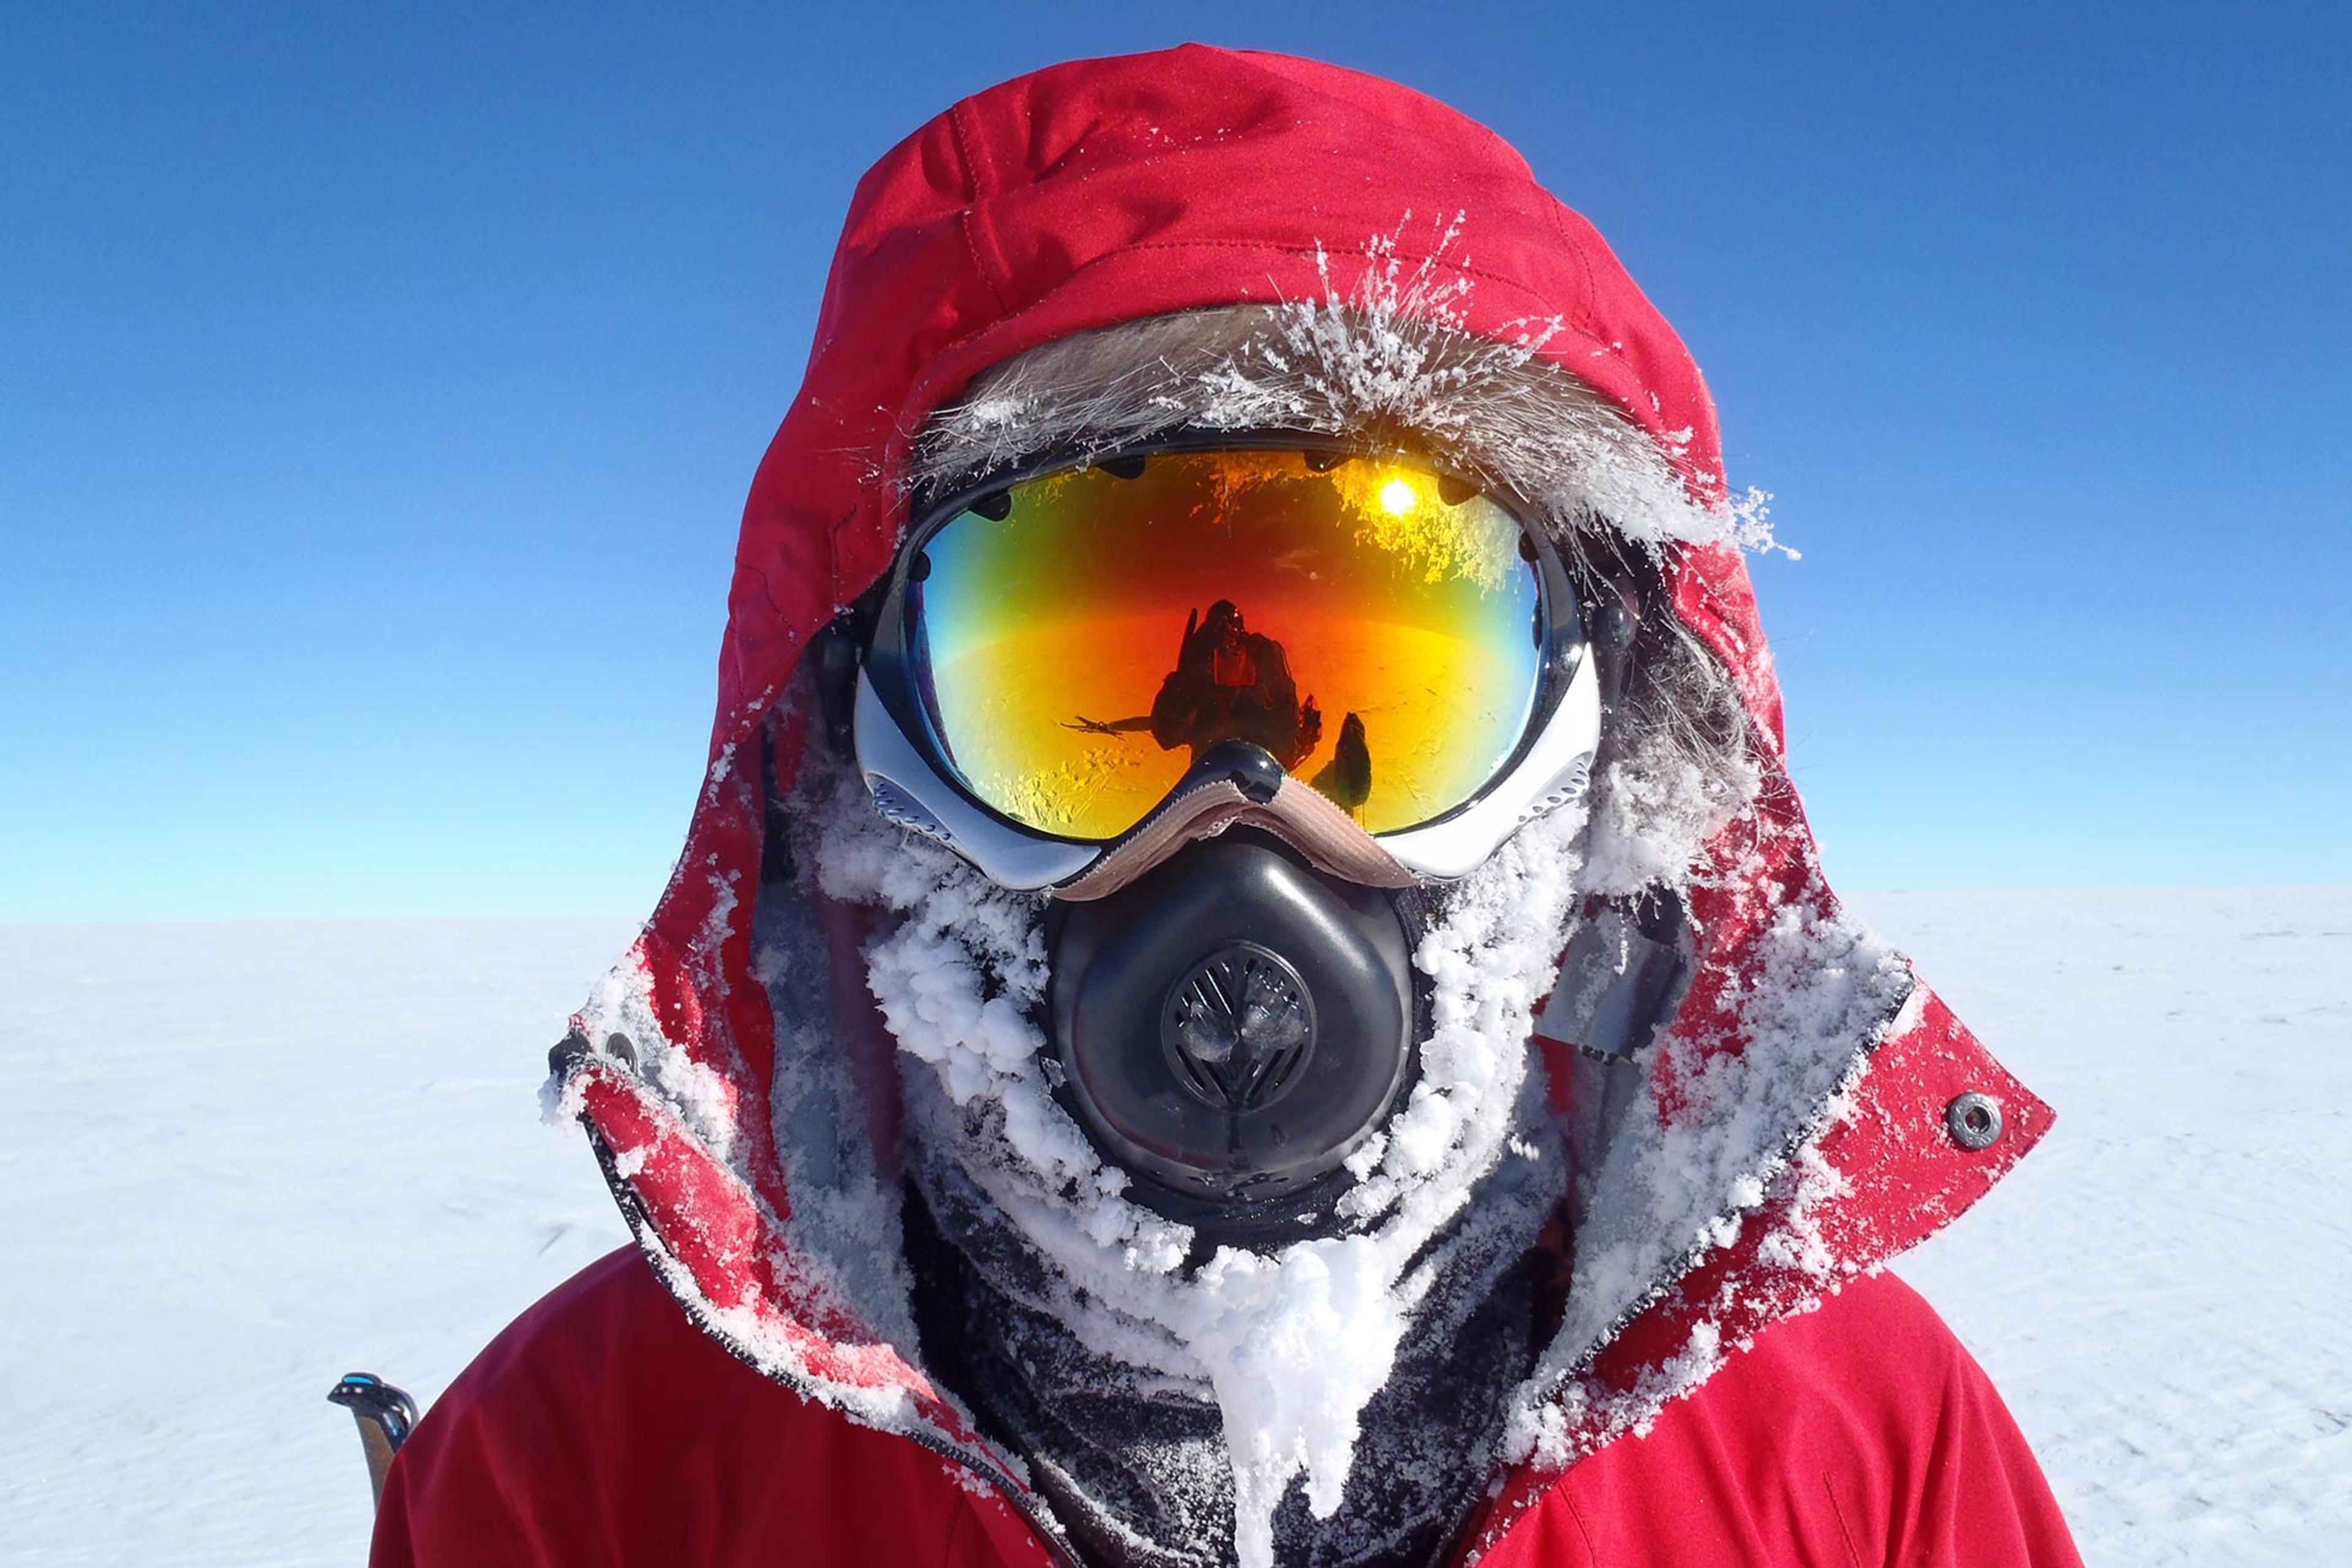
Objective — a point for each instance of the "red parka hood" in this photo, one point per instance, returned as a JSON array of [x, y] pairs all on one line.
[[1807, 1119]]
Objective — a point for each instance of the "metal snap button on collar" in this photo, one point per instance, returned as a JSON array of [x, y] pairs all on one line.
[[1973, 1121]]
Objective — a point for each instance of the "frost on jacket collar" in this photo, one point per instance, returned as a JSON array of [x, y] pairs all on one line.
[[1795, 1124]]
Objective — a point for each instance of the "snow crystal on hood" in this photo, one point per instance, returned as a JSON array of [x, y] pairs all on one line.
[[1390, 354], [619, 1018], [1745, 1127]]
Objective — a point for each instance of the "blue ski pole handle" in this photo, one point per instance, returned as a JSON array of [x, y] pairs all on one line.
[[386, 1416]]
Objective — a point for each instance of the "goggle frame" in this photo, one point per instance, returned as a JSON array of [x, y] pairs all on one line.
[[907, 767]]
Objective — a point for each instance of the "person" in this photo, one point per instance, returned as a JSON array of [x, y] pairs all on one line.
[[1035, 1157], [1230, 682]]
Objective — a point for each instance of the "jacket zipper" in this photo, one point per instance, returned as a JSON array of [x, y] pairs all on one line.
[[1012, 1494]]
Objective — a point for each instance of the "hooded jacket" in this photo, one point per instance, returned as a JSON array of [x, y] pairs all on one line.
[[1732, 1382]]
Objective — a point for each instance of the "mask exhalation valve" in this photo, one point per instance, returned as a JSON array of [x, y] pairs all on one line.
[[1232, 1025]]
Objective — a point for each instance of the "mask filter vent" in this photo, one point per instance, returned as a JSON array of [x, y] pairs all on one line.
[[1238, 1028], [1231, 1025]]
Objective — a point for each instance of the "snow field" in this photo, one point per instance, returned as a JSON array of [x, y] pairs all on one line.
[[2163, 1290], [246, 1158]]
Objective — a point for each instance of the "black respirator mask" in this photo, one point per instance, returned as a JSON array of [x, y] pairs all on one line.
[[1242, 709]]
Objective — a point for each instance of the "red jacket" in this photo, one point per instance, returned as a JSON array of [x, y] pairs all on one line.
[[1808, 1116], [604, 1427]]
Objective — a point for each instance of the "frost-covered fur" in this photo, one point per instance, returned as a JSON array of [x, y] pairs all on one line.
[[1389, 358], [1668, 1192], [1674, 763]]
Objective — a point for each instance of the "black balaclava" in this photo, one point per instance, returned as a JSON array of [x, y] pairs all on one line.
[[1136, 1468]]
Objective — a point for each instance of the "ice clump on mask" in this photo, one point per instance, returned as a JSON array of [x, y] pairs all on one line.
[[1293, 1342]]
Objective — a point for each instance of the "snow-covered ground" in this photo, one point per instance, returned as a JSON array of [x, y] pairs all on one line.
[[247, 1158], [2163, 1291]]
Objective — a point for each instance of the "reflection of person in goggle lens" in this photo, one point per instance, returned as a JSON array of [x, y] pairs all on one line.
[[1086, 1111], [1229, 684], [1232, 683]]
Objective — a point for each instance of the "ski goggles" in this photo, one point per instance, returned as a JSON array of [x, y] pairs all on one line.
[[1055, 654]]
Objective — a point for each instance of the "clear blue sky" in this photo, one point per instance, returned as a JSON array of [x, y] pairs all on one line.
[[378, 393]]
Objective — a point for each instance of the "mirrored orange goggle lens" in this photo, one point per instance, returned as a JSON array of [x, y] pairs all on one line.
[[1077, 653]]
